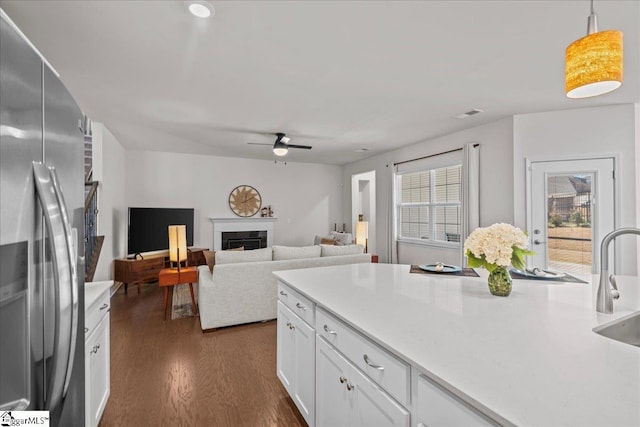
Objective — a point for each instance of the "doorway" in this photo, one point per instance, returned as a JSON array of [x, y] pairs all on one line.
[[571, 207], [363, 202]]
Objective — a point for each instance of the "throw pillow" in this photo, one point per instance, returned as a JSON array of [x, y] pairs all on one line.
[[329, 250], [210, 256], [341, 238], [290, 252], [234, 257]]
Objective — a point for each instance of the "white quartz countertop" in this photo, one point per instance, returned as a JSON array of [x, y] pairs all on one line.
[[92, 290], [532, 357]]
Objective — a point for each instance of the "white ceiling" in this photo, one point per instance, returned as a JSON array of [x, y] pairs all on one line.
[[336, 75]]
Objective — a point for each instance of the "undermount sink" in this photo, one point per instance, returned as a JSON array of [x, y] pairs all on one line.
[[626, 329]]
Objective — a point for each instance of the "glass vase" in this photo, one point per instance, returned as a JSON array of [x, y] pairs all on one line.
[[500, 282]]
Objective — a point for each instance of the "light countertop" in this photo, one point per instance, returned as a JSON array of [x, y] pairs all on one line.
[[532, 357]]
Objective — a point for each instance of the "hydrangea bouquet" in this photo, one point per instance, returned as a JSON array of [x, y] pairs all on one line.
[[495, 248]]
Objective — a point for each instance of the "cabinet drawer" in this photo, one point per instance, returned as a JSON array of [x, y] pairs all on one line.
[[152, 264], [299, 304], [387, 370], [95, 313], [436, 406]]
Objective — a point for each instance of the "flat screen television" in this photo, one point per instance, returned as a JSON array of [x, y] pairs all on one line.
[[149, 228]]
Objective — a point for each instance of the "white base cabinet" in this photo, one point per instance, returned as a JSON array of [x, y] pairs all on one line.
[[97, 351], [339, 377], [346, 397], [436, 407], [295, 362]]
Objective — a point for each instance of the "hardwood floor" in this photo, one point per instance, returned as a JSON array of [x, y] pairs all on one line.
[[170, 373]]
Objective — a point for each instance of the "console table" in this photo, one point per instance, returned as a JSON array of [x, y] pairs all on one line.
[[137, 271]]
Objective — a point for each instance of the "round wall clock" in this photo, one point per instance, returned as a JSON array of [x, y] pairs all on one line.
[[244, 200]]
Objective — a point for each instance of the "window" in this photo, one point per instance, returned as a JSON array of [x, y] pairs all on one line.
[[429, 205]]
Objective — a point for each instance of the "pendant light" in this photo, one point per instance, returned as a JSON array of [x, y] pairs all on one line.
[[593, 64]]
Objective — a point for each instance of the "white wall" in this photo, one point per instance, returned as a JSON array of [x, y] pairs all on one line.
[[609, 130], [109, 170], [637, 108], [306, 198], [496, 183]]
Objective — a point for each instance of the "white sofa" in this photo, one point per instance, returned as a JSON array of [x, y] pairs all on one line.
[[242, 289]]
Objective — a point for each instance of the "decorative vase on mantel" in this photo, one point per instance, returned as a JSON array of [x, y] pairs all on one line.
[[500, 282]]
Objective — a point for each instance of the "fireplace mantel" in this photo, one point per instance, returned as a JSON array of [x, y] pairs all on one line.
[[241, 224]]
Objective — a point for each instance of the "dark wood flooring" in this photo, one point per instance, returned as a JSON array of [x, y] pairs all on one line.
[[169, 373]]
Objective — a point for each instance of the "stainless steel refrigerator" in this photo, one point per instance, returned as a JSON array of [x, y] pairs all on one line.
[[41, 237]]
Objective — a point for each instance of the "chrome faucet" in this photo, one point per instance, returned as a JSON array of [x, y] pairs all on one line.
[[606, 295]]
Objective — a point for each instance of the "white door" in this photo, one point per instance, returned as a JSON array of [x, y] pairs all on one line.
[[571, 208], [285, 347], [305, 360], [332, 370]]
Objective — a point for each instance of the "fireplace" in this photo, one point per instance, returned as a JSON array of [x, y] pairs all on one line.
[[252, 233], [247, 239]]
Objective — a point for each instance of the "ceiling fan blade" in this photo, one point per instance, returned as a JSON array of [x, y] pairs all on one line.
[[260, 143], [305, 147]]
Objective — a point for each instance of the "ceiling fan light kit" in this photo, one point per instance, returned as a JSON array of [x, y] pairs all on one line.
[[594, 63]]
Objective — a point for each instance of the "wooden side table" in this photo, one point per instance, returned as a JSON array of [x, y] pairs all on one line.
[[170, 277]]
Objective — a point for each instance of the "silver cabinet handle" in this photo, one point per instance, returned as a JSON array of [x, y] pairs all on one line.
[[86, 330], [63, 281], [374, 366], [105, 305], [329, 331], [350, 386], [538, 242], [290, 325], [283, 293], [301, 307], [95, 348], [342, 379]]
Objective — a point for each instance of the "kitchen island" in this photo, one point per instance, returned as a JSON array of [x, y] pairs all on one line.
[[527, 359]]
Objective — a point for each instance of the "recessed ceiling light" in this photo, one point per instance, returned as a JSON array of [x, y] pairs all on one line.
[[200, 9], [468, 114]]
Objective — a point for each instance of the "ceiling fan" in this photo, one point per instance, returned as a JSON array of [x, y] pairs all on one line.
[[281, 145]]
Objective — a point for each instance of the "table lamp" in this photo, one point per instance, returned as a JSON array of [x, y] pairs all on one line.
[[362, 234], [177, 244]]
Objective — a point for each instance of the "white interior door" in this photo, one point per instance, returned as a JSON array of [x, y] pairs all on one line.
[[571, 208]]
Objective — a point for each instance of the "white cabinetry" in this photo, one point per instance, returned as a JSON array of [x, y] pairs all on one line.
[[97, 366], [346, 397], [436, 407], [296, 350]]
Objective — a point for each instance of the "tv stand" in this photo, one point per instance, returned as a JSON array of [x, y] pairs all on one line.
[[133, 271]]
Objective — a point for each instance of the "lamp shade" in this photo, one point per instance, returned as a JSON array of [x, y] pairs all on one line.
[[362, 233], [594, 64], [177, 243]]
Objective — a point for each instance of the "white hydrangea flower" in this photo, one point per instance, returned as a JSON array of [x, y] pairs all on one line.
[[496, 243]]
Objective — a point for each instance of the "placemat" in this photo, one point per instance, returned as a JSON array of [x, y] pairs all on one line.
[[566, 278], [468, 272]]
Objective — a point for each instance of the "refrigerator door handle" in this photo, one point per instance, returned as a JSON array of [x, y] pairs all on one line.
[[71, 236], [62, 268]]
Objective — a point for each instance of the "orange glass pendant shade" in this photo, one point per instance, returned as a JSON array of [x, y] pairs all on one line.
[[594, 64]]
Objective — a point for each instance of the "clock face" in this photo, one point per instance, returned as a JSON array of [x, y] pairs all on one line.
[[245, 200]]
